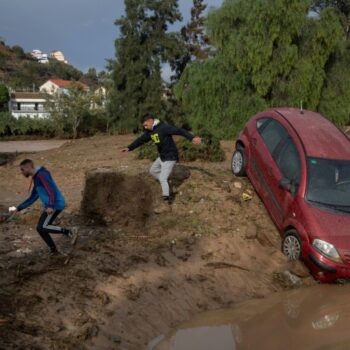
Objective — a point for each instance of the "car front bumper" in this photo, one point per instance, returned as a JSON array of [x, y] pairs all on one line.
[[323, 269]]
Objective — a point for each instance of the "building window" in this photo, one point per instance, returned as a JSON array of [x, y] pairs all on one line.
[[36, 107], [18, 106]]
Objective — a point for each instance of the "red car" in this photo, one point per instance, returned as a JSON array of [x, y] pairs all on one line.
[[299, 164]]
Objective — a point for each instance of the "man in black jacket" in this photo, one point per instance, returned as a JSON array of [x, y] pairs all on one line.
[[161, 134]]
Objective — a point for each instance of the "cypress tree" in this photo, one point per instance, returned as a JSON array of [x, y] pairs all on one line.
[[144, 44], [194, 38]]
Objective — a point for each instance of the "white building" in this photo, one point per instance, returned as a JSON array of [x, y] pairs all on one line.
[[40, 56], [100, 98], [27, 104], [59, 56], [54, 86]]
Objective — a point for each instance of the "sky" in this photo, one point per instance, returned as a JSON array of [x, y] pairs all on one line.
[[83, 29]]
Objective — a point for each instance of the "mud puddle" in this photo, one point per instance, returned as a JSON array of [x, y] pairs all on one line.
[[317, 317]]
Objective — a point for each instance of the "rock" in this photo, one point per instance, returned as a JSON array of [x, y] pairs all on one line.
[[179, 174], [237, 185], [116, 339], [288, 279], [251, 231], [226, 186]]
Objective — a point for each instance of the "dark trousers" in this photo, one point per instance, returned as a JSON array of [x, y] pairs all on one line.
[[45, 227]]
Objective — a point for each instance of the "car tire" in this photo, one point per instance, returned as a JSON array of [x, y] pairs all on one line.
[[238, 162], [291, 245]]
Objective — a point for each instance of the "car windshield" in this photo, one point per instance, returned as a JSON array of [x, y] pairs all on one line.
[[329, 183]]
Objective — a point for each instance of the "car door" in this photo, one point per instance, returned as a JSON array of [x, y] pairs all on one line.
[[266, 140], [288, 163]]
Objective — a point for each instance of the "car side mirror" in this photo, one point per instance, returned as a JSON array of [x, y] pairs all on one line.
[[288, 185]]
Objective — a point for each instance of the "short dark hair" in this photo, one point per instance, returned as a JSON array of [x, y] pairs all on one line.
[[147, 116], [27, 162]]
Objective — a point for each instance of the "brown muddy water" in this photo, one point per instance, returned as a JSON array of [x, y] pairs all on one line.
[[309, 318]]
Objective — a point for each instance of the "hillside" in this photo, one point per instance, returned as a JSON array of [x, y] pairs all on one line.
[[20, 71]]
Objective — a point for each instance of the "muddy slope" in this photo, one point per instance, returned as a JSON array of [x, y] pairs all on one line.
[[125, 284]]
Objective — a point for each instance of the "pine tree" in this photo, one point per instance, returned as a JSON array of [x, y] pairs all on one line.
[[143, 46]]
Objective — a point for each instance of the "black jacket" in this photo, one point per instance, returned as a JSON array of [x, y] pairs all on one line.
[[161, 135]]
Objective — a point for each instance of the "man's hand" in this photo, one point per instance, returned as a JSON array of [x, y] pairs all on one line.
[[49, 211], [13, 212], [197, 140], [124, 150]]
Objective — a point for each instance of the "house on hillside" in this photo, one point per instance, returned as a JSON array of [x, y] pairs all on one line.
[[59, 56], [54, 86], [27, 104], [100, 98], [40, 56]]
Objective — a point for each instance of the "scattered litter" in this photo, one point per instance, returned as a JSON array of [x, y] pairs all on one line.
[[246, 197]]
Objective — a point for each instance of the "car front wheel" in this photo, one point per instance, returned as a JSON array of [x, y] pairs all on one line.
[[291, 245], [238, 163]]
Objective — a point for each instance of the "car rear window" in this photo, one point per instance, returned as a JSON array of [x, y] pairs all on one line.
[[272, 133]]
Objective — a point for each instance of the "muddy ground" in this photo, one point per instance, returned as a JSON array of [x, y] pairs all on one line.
[[133, 276]]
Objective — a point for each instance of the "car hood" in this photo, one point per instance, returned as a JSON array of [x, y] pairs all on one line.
[[331, 226]]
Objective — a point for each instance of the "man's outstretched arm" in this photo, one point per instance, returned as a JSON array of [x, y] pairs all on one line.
[[173, 130], [29, 201], [146, 137]]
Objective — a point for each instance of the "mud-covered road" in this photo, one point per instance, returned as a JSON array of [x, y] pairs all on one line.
[[128, 282]]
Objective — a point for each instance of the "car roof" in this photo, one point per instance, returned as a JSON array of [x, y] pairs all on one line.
[[320, 137]]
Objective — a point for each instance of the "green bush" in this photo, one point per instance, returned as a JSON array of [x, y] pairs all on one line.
[[210, 150], [26, 126], [148, 151]]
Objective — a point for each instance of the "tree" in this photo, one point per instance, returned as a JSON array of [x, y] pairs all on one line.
[[69, 109], [263, 59], [195, 40], [143, 45], [4, 98], [335, 99], [90, 78], [18, 51], [341, 6]]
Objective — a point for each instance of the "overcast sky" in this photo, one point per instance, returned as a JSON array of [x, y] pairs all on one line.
[[83, 29]]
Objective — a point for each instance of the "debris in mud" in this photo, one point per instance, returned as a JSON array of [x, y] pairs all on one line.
[[288, 279], [7, 158], [114, 198], [246, 196]]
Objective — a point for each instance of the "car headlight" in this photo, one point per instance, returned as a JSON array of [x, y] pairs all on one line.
[[327, 249]]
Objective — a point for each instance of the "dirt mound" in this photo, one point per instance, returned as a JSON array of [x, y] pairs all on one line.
[[112, 198]]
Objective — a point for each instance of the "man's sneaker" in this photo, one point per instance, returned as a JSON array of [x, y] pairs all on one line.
[[164, 207], [54, 253], [73, 235]]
